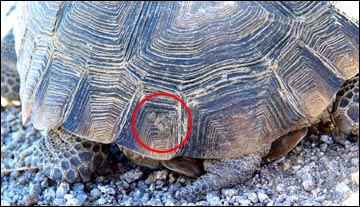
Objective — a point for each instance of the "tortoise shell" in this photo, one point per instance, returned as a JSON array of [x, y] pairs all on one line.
[[249, 72]]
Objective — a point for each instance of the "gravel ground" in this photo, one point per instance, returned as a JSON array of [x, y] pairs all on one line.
[[317, 172]]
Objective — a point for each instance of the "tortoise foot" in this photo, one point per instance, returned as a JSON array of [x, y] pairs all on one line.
[[63, 156], [222, 173]]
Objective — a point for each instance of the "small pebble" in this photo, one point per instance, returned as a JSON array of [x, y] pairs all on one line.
[[30, 199], [355, 177], [244, 202], [95, 193], [253, 197], [81, 199], [23, 181], [70, 200], [101, 201], [325, 138], [78, 187], [62, 190], [172, 178], [308, 182], [262, 196], [342, 188], [132, 175], [49, 193], [14, 175], [35, 188], [107, 190], [181, 179], [323, 147], [45, 183], [213, 199], [5, 203], [59, 202], [228, 192]]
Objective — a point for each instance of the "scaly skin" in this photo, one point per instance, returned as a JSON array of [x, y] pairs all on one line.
[[64, 156]]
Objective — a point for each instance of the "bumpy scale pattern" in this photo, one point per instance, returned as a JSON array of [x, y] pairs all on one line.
[[222, 173], [10, 82], [63, 156], [346, 107]]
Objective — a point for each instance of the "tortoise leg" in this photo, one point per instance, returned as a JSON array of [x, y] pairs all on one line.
[[64, 156], [345, 111], [10, 82], [222, 173], [285, 144]]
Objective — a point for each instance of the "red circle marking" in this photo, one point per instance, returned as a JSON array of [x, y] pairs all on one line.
[[148, 98]]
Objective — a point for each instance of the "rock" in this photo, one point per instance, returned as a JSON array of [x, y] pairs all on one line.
[[23, 180], [308, 185], [355, 177], [95, 193], [41, 177], [132, 175], [244, 202], [10, 117], [151, 178], [127, 201], [138, 194], [310, 203], [59, 202], [145, 197], [213, 199], [190, 204], [45, 182], [228, 192], [262, 196], [342, 187], [49, 193], [30, 199], [125, 185], [70, 200], [18, 135], [181, 179], [101, 201], [155, 202], [107, 190], [35, 189], [99, 179], [14, 175], [352, 199], [280, 188], [78, 187], [172, 178], [157, 175], [81, 199], [62, 190], [152, 187], [323, 147], [201, 203], [169, 203], [326, 139], [5, 203], [253, 197], [10, 194], [159, 184], [308, 182]]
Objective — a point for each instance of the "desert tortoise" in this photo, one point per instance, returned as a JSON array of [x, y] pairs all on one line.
[[250, 73]]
